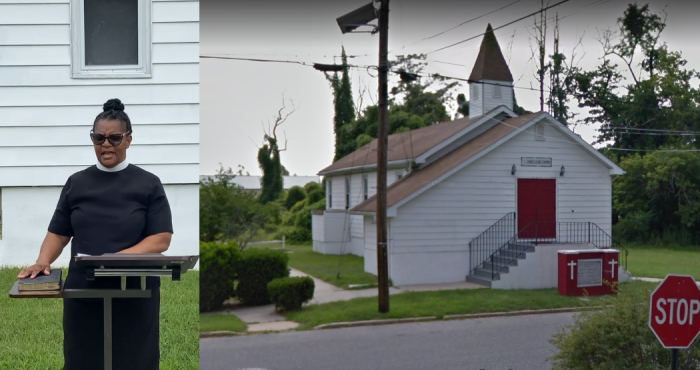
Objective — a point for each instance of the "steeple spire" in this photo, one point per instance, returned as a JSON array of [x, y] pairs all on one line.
[[490, 83], [490, 63]]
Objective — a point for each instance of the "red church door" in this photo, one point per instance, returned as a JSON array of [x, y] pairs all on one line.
[[537, 203]]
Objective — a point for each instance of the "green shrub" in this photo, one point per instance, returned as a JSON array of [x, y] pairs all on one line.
[[618, 338], [291, 292], [315, 195], [219, 265], [258, 268], [312, 186], [302, 222], [295, 194]]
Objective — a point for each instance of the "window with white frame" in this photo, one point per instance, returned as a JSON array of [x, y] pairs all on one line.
[[347, 193], [111, 39], [365, 187], [497, 91], [539, 132], [330, 193], [475, 92]]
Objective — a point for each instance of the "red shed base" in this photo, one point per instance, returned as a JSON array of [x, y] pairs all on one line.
[[588, 272]]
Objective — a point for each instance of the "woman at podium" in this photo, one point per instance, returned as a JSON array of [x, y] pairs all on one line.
[[110, 207]]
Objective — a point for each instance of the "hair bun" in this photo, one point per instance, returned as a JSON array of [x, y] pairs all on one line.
[[113, 104]]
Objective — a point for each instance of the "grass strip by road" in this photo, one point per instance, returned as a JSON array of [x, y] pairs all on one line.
[[340, 271], [446, 302], [221, 322], [32, 329], [656, 262]]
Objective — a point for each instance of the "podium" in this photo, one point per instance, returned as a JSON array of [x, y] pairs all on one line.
[[587, 271], [116, 265]]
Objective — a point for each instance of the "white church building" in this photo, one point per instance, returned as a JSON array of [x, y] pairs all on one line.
[[489, 198], [56, 71]]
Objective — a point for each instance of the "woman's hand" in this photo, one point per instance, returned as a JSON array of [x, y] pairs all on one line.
[[34, 270]]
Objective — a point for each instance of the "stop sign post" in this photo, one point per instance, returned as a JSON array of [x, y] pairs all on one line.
[[674, 314]]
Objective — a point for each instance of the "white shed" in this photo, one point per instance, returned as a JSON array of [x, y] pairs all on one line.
[[56, 71], [490, 197]]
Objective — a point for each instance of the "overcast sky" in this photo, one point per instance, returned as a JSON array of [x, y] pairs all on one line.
[[238, 97]]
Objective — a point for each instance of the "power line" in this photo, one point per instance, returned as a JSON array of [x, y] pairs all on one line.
[[654, 150], [507, 24], [309, 64], [465, 22]]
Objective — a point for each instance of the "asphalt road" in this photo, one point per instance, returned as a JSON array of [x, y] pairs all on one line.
[[517, 343]]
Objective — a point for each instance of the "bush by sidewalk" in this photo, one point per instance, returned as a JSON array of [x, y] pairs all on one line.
[[259, 267], [291, 293], [618, 337], [219, 265]]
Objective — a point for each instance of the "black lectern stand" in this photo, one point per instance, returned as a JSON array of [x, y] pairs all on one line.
[[116, 265]]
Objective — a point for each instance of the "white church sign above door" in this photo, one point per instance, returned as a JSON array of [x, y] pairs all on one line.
[[535, 162]]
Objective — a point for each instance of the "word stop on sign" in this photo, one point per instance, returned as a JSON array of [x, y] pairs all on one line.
[[677, 311]]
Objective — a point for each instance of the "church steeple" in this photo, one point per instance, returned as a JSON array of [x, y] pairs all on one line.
[[490, 83]]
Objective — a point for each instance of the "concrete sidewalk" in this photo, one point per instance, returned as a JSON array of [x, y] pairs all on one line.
[[265, 318]]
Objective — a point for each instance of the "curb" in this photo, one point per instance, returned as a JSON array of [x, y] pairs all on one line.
[[453, 317], [218, 334]]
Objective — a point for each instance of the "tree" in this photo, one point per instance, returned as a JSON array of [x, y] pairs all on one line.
[[413, 104], [269, 160], [659, 193], [660, 95], [228, 212], [561, 78], [344, 107]]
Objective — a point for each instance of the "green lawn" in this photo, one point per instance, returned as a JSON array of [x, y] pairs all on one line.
[[447, 302], [221, 322], [31, 332], [646, 261], [340, 271]]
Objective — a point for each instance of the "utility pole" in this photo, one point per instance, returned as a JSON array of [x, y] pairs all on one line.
[[347, 23], [382, 138]]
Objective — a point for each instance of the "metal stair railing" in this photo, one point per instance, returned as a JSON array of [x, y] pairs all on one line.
[[556, 233], [481, 247]]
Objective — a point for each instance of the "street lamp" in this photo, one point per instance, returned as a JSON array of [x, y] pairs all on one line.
[[348, 23], [356, 18]]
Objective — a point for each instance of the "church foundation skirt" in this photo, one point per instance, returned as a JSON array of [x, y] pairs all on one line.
[[135, 326]]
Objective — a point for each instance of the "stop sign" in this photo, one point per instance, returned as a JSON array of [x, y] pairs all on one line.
[[675, 311]]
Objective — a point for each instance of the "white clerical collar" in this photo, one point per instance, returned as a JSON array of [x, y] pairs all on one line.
[[116, 168]]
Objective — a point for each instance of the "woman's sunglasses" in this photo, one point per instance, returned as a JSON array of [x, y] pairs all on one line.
[[114, 139]]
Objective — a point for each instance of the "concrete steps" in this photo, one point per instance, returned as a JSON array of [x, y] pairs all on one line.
[[503, 260]]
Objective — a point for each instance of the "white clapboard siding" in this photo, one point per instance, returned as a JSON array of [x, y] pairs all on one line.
[[34, 13], [35, 34], [47, 115], [175, 32], [59, 55], [34, 1], [42, 34], [446, 218], [59, 137], [78, 95], [85, 155], [57, 176], [21, 76], [177, 11], [490, 102], [85, 115]]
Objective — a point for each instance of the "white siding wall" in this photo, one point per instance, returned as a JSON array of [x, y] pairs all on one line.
[[442, 221], [47, 115], [490, 102]]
